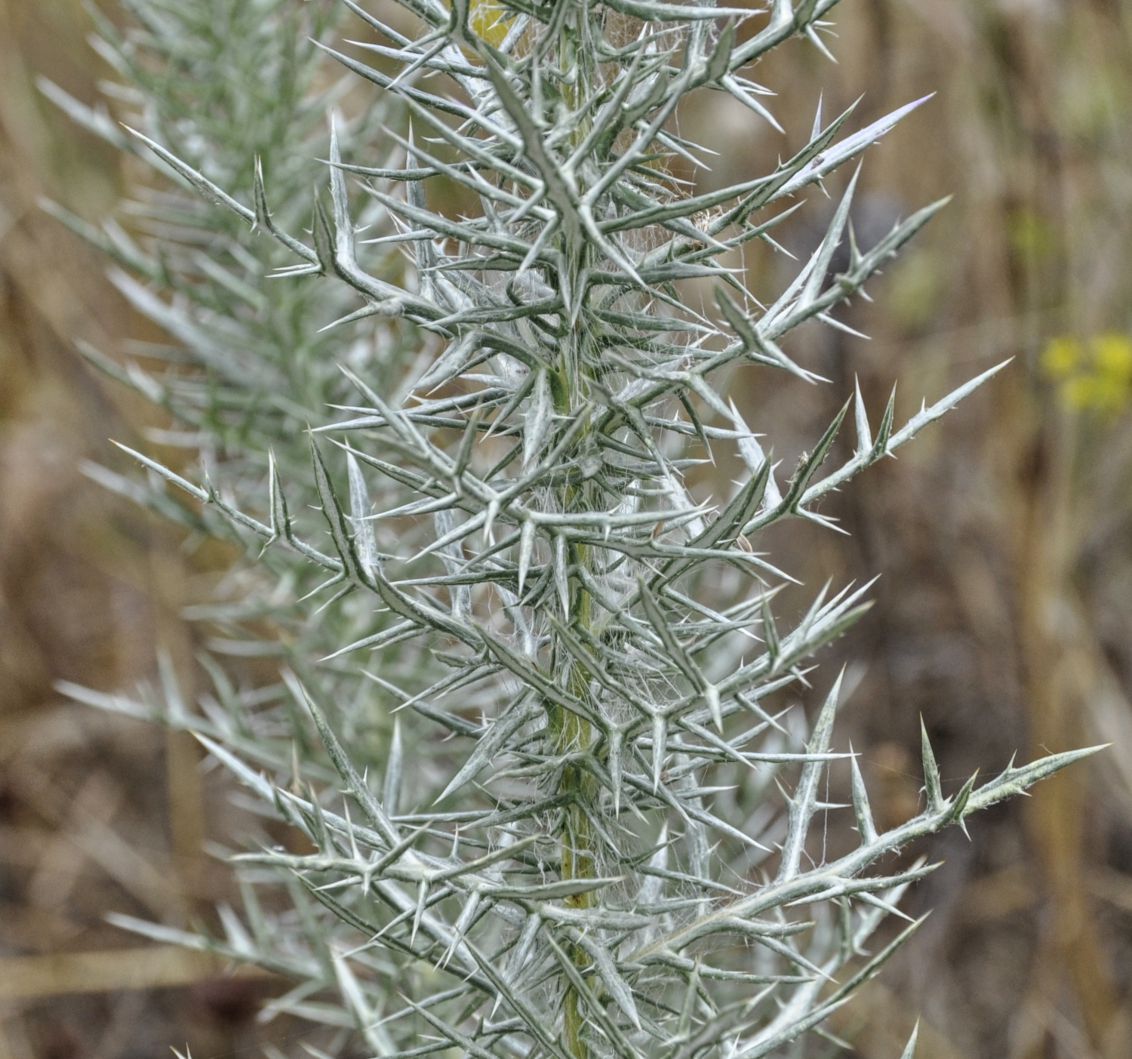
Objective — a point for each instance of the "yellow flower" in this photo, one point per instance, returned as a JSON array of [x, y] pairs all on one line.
[[1095, 393], [1112, 356], [1093, 375], [1061, 357]]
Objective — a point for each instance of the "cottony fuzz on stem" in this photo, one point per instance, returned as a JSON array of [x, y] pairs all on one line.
[[531, 707]]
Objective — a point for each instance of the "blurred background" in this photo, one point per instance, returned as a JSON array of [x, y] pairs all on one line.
[[1004, 537]]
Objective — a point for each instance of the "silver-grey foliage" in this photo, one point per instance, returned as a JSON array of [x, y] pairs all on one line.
[[592, 832]]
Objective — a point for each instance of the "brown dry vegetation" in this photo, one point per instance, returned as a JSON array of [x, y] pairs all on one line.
[[1003, 535]]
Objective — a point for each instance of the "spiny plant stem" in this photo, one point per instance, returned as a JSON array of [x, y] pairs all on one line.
[[574, 734], [575, 737]]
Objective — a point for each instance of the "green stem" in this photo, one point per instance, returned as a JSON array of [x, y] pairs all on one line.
[[574, 735], [571, 734]]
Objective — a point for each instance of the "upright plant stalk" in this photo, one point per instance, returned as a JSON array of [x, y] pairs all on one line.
[[601, 842], [574, 735], [247, 365]]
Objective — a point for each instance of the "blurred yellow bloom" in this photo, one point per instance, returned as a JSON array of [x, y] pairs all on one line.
[[1061, 357], [1094, 393], [1093, 375], [1112, 355]]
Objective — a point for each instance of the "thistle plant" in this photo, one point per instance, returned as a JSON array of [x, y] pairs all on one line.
[[589, 816]]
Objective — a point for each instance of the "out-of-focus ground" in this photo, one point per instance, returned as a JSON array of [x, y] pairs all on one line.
[[1004, 614]]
